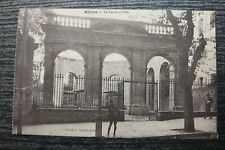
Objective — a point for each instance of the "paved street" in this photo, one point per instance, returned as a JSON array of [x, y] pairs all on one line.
[[126, 129]]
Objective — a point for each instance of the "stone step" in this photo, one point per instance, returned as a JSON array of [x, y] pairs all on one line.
[[136, 118]]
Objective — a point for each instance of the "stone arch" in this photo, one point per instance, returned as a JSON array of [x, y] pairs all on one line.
[[80, 49], [166, 58], [165, 70], [69, 71], [169, 58], [150, 75], [112, 53], [150, 89], [76, 54], [108, 53], [164, 87], [114, 74]]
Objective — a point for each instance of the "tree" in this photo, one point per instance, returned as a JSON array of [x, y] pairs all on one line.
[[29, 30], [36, 17], [185, 42]]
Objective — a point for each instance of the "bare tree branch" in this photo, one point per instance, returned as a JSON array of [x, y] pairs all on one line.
[[197, 55], [190, 28], [186, 74], [174, 21]]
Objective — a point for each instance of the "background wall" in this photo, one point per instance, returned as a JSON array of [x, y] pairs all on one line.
[[8, 31]]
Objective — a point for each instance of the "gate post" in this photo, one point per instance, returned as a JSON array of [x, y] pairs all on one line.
[[98, 131], [49, 65]]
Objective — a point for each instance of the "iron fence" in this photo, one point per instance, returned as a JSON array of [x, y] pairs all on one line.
[[77, 92], [67, 92], [200, 91]]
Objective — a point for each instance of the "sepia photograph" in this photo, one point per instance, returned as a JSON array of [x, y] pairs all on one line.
[[116, 73]]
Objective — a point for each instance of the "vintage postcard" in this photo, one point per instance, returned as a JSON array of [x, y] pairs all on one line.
[[116, 73]]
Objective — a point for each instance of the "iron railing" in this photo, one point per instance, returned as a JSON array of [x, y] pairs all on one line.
[[77, 92]]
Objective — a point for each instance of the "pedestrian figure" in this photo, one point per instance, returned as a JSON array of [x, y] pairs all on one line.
[[113, 114], [208, 107]]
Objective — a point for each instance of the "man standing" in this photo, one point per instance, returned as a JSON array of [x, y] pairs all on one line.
[[208, 107], [113, 114]]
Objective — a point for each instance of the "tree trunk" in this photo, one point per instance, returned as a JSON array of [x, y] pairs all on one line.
[[186, 85], [188, 109], [186, 75]]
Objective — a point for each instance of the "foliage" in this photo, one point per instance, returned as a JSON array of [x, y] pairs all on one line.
[[35, 19], [186, 43]]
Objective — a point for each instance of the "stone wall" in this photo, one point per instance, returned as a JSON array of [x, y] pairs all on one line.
[[45, 116]]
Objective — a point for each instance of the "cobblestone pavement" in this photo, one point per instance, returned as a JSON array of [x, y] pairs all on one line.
[[127, 129]]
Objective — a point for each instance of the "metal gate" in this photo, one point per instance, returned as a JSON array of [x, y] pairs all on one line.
[[152, 96], [113, 88], [68, 91]]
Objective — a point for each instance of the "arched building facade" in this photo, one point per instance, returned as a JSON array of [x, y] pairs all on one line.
[[95, 38]]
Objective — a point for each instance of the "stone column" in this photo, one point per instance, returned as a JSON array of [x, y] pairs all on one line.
[[138, 105], [92, 76], [85, 84], [131, 90], [150, 89], [172, 88], [49, 65]]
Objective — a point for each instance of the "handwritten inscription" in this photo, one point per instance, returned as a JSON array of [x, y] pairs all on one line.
[[79, 130], [106, 11]]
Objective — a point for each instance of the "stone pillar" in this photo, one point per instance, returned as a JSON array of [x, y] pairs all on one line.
[[138, 78], [85, 83], [92, 76], [150, 89], [172, 88], [131, 90], [49, 65], [147, 89]]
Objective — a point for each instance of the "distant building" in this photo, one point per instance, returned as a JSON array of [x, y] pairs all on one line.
[[206, 72], [203, 25]]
